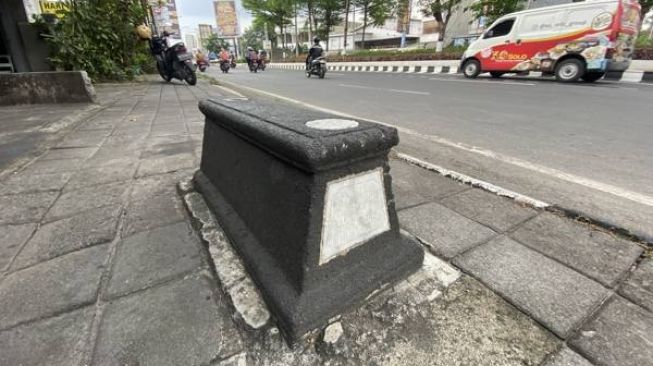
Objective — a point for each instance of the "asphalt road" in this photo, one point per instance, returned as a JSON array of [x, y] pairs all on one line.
[[587, 147]]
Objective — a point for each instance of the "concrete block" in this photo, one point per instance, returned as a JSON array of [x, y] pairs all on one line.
[[638, 288], [46, 87], [553, 294], [592, 252], [621, 335], [307, 203], [445, 232], [58, 341], [185, 322], [151, 257], [498, 213], [52, 287]]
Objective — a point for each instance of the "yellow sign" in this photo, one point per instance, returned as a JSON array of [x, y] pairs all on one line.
[[507, 56], [58, 8]]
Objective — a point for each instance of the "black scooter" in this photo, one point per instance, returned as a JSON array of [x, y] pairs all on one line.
[[173, 62], [317, 67]]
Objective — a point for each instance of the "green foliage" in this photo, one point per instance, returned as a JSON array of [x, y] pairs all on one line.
[[494, 9], [215, 44], [643, 41], [98, 36], [252, 37]]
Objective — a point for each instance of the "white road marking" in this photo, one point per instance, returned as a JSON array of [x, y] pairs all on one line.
[[474, 182], [390, 90], [555, 173], [334, 73], [488, 82]]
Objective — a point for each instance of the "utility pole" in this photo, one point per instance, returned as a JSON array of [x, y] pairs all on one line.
[[296, 34], [344, 51]]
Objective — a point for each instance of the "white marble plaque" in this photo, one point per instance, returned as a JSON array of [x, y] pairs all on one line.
[[355, 211]]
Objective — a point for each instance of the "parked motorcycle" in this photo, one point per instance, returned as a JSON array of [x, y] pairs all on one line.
[[174, 61], [317, 67], [224, 66]]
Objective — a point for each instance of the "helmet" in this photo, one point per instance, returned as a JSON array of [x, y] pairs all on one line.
[[250, 49], [143, 32], [166, 34], [316, 40]]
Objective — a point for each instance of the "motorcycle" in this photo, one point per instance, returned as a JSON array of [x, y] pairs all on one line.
[[233, 63], [224, 66], [253, 66], [261, 65], [174, 61], [317, 67], [202, 65]]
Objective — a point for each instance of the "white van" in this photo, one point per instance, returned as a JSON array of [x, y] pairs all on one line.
[[571, 41]]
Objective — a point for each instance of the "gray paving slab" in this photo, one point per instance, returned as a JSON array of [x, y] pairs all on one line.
[[154, 256], [186, 322], [446, 232], [621, 335], [34, 182], [413, 185], [638, 288], [117, 172], [152, 211], [167, 164], [27, 207], [52, 287], [499, 213], [84, 199], [553, 294], [566, 357], [54, 166], [66, 235], [13, 238], [58, 341], [592, 252], [73, 153]]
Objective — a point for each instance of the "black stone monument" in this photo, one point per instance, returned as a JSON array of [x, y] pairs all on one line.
[[306, 199]]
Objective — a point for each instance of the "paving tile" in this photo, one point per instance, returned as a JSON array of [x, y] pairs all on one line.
[[498, 213], [638, 288], [567, 357], [553, 294], [31, 182], [166, 164], [27, 207], [51, 287], [73, 153], [54, 166], [621, 335], [110, 173], [413, 185], [185, 322], [594, 253], [83, 199], [63, 236], [58, 341], [154, 256], [446, 232], [13, 237], [150, 212]]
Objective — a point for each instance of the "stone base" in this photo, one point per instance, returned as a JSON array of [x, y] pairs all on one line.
[[46, 87], [395, 256]]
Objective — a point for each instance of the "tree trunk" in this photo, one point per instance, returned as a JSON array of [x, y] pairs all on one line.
[[365, 11], [346, 24], [296, 34]]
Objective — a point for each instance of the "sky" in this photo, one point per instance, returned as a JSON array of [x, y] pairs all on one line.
[[194, 12]]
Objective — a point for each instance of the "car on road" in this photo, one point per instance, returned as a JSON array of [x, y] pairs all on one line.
[[573, 41]]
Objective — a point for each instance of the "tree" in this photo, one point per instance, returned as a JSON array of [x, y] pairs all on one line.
[[215, 43], [329, 14], [375, 12], [442, 10], [276, 12], [494, 9], [252, 37]]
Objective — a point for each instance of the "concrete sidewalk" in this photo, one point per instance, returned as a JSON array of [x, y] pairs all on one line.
[[100, 265]]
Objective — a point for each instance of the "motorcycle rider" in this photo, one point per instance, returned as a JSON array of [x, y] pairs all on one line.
[[224, 55], [315, 52], [252, 56]]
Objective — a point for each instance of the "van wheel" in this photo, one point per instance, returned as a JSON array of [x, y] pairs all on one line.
[[471, 68], [591, 77], [569, 70], [496, 74]]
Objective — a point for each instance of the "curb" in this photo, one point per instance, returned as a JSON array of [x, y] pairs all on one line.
[[628, 76]]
